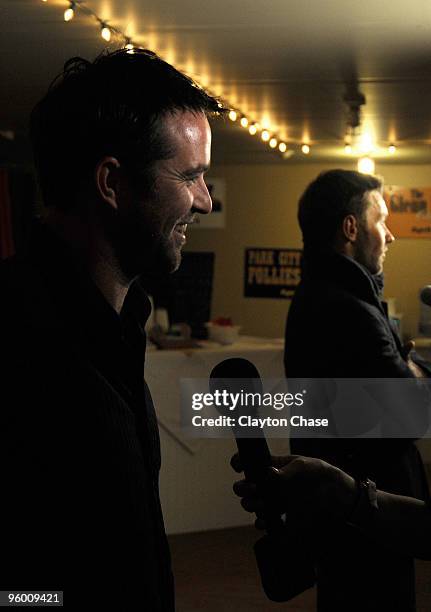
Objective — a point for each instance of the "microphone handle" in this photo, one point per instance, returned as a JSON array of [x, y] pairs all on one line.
[[256, 459], [283, 557]]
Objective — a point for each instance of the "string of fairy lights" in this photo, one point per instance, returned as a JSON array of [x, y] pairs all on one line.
[[268, 136], [110, 33], [254, 128], [107, 31]]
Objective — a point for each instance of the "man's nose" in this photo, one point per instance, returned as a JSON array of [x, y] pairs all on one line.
[[202, 203], [389, 236]]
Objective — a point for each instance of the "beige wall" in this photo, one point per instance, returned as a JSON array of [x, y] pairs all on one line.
[[261, 212]]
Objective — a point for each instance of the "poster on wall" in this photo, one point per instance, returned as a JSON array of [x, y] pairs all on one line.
[[217, 219], [271, 273], [409, 211]]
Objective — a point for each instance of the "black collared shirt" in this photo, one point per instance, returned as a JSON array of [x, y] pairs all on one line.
[[80, 444]]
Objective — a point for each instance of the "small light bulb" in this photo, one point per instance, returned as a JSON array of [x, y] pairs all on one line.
[[392, 148], [265, 135], [252, 129], [69, 14], [130, 48], [282, 147], [305, 149], [347, 148], [106, 33], [273, 143], [244, 122], [232, 115], [366, 165]]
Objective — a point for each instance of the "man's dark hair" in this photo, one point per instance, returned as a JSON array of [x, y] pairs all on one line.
[[113, 106], [328, 200]]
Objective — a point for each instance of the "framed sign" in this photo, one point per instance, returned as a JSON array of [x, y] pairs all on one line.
[[409, 211], [271, 273]]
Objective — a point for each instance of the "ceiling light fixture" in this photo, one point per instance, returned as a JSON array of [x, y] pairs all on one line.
[[232, 115], [252, 129], [273, 142], [265, 135], [392, 148], [366, 165], [282, 147], [305, 149], [354, 99], [244, 122]]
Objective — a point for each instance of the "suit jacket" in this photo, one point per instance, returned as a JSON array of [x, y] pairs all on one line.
[[337, 327], [80, 450]]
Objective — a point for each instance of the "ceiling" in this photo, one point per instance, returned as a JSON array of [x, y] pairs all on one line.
[[285, 64]]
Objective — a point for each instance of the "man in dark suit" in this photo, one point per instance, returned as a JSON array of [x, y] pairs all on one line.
[[338, 327], [121, 147]]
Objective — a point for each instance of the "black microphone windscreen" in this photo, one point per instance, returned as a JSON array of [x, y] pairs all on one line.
[[235, 367], [237, 375]]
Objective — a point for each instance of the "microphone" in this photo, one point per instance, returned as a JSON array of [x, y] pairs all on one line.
[[235, 375], [284, 562], [425, 295]]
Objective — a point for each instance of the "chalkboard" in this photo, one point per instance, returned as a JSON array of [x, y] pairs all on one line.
[[186, 293]]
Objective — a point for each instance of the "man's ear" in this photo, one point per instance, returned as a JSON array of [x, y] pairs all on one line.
[[108, 180], [350, 228]]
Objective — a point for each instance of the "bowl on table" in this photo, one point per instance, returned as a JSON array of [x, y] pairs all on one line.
[[224, 334]]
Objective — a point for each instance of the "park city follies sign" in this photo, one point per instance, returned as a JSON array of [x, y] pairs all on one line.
[[271, 273]]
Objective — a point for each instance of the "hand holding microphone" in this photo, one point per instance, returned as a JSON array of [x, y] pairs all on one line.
[[302, 487], [237, 375], [283, 556]]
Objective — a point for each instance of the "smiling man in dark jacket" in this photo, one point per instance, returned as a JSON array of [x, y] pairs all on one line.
[[338, 327], [121, 147]]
